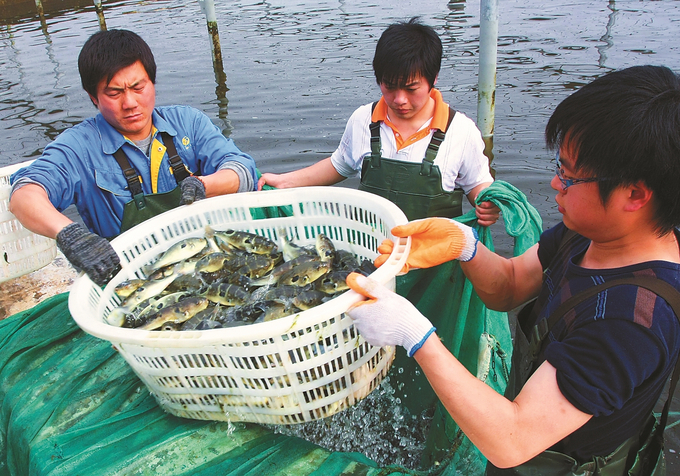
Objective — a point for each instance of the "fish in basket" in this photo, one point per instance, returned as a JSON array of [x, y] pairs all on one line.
[[298, 358]]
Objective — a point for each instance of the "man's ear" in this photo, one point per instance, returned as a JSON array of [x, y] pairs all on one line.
[[94, 100], [639, 195]]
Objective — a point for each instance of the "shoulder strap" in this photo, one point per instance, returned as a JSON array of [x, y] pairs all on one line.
[[656, 285], [132, 178], [179, 170], [437, 139], [375, 139]]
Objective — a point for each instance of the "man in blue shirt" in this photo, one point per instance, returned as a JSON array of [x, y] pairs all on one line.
[[130, 162]]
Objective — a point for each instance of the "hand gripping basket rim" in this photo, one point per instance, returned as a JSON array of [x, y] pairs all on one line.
[[84, 292]]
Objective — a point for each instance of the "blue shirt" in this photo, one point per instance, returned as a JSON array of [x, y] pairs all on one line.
[[79, 167], [614, 352]]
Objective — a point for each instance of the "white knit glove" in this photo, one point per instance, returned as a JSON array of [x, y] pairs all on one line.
[[387, 318]]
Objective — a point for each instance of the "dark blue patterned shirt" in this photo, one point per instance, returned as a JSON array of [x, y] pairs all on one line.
[[613, 352]]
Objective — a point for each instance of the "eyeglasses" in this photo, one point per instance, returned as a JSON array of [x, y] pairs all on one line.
[[568, 182]]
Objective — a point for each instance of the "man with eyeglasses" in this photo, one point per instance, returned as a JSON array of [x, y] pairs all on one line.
[[580, 400]]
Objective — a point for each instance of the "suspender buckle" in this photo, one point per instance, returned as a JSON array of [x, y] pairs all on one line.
[[538, 334], [139, 201]]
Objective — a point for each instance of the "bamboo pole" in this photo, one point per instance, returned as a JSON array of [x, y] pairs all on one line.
[[100, 14], [208, 9]]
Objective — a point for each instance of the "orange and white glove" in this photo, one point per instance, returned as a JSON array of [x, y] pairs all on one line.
[[387, 318], [433, 241]]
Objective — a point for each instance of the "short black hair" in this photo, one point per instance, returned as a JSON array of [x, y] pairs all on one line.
[[405, 50], [625, 126], [107, 52]]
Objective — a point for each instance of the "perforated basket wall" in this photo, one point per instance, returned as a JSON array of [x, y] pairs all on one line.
[[299, 368], [21, 251]]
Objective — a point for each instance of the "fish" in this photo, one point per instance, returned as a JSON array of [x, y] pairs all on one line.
[[243, 277], [149, 289], [186, 282], [127, 287], [276, 293], [212, 262], [160, 303], [366, 267], [309, 299], [333, 282], [179, 251], [207, 324], [255, 266], [272, 278], [250, 242], [305, 273], [324, 247], [345, 260], [176, 313], [292, 250], [204, 320], [226, 294]]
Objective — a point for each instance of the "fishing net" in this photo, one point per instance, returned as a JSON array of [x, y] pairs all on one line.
[[71, 405], [479, 337]]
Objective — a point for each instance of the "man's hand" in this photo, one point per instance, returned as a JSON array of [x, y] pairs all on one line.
[[192, 189], [433, 241], [89, 253], [387, 318], [273, 180], [487, 213]]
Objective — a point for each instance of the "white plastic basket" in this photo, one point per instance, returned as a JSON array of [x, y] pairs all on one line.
[[21, 251], [295, 369]]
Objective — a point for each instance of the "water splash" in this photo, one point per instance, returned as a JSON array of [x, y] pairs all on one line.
[[378, 426]]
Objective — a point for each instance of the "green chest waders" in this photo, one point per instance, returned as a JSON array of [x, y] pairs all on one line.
[[641, 455], [415, 188], [142, 207]]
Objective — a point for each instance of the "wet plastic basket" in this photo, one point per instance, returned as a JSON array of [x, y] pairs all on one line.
[[296, 369], [21, 251]]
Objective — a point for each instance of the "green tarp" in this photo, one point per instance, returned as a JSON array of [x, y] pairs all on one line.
[[72, 406]]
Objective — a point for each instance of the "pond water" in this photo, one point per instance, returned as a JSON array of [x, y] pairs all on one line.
[[296, 70]]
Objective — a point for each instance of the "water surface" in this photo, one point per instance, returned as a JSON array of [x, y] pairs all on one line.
[[295, 70]]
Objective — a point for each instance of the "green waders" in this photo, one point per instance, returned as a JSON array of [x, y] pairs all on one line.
[[417, 189], [142, 207], [641, 455]]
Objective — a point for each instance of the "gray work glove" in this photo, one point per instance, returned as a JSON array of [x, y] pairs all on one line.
[[192, 189], [89, 252]]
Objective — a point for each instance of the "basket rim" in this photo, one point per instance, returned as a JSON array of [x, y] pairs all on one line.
[[254, 332]]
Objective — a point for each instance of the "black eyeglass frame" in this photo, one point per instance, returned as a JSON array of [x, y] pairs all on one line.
[[568, 182]]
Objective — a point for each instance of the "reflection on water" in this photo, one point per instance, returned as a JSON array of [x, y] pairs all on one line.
[[297, 69]]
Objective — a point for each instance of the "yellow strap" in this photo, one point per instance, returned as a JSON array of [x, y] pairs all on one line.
[[156, 155]]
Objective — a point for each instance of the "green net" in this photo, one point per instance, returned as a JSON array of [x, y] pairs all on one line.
[[479, 337], [71, 405]]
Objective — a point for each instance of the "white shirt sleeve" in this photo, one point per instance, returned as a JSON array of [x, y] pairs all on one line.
[[461, 156], [355, 143]]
